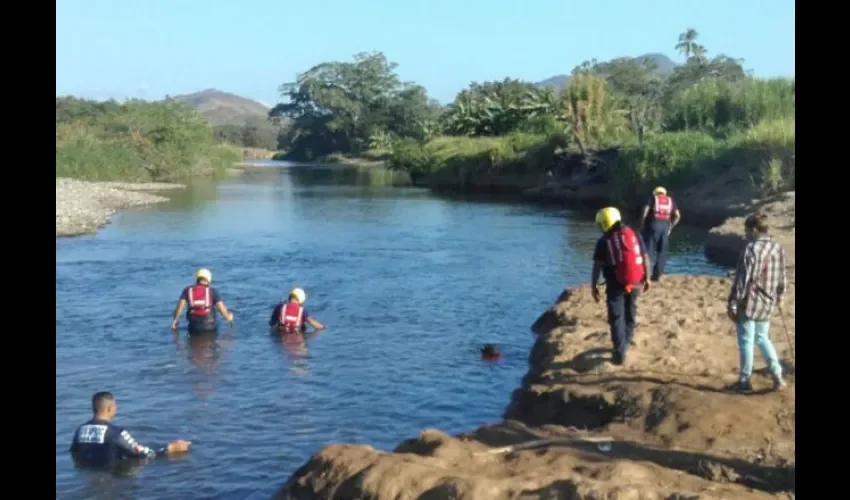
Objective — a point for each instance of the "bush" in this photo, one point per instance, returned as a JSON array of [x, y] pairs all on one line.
[[671, 159], [515, 153], [722, 107], [763, 154], [135, 141]]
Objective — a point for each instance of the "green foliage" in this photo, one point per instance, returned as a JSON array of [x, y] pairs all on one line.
[[678, 126], [134, 141], [721, 107], [518, 152], [254, 134], [336, 107], [764, 154]]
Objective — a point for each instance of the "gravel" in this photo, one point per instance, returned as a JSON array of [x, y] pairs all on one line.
[[84, 207]]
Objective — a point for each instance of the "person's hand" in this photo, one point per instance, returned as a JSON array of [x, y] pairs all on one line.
[[646, 286], [178, 446], [174, 324], [732, 313], [230, 318], [594, 292]]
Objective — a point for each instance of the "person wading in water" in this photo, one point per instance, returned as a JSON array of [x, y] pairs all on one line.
[[621, 257], [203, 301], [290, 316]]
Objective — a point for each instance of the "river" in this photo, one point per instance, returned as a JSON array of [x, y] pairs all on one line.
[[408, 283]]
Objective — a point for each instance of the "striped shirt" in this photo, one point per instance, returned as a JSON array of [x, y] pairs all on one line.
[[760, 279]]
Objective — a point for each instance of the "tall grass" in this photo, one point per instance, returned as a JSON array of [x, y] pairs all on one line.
[[721, 107], [135, 141], [764, 155], [511, 154]]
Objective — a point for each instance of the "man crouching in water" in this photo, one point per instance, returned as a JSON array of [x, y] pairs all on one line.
[[203, 300], [290, 316], [99, 442]]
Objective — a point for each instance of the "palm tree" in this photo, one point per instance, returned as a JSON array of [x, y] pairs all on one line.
[[687, 43]]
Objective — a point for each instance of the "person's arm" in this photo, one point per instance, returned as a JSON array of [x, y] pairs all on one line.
[[645, 258], [312, 322], [130, 447], [178, 310], [219, 304], [782, 285], [676, 215], [598, 263], [738, 291], [644, 214], [273, 320]]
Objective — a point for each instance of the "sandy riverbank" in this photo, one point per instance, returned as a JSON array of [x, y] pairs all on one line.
[[84, 207], [660, 427]]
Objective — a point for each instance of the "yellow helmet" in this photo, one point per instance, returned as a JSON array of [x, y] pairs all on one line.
[[660, 190], [299, 295], [204, 274], [607, 217]]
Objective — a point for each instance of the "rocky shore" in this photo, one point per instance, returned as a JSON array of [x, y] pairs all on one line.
[[84, 207], [578, 427]]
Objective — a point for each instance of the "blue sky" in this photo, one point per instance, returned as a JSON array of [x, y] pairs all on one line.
[[149, 48]]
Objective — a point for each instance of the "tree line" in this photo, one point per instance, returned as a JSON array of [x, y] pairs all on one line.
[[669, 126], [135, 141]]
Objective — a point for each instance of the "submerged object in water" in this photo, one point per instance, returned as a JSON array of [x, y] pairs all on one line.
[[490, 351]]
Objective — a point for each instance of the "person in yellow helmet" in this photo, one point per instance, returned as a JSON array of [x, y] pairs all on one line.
[[621, 257], [203, 300], [290, 316], [660, 216]]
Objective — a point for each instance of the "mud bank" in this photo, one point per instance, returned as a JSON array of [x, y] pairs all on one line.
[[579, 186], [659, 427], [84, 207], [724, 242]]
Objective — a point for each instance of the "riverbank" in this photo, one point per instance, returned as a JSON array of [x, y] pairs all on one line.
[[83, 207], [660, 427]]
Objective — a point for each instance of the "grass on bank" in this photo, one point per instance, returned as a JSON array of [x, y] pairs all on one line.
[[136, 141], [715, 128]]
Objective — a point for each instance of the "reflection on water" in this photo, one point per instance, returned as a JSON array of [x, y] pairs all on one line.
[[205, 352], [409, 282], [293, 346]]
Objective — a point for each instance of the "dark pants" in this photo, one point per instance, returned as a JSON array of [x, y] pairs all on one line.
[[622, 311], [656, 238], [201, 326]]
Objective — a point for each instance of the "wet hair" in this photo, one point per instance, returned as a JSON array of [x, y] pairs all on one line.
[[101, 400], [757, 222], [490, 351]]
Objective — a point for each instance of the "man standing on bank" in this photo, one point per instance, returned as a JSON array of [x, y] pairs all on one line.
[[663, 215], [760, 282], [621, 257]]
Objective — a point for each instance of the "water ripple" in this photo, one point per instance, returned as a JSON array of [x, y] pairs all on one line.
[[409, 284]]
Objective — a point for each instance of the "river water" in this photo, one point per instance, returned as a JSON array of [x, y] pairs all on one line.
[[409, 285]]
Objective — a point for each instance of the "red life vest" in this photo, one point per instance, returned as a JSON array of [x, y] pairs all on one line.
[[624, 252], [200, 300], [663, 207], [291, 316]]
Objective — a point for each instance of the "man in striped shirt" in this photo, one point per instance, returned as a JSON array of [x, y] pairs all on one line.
[[759, 285]]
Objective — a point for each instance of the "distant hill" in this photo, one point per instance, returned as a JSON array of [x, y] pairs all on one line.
[[664, 63], [223, 108]]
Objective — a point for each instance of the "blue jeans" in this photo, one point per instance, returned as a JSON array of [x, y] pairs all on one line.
[[749, 332]]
